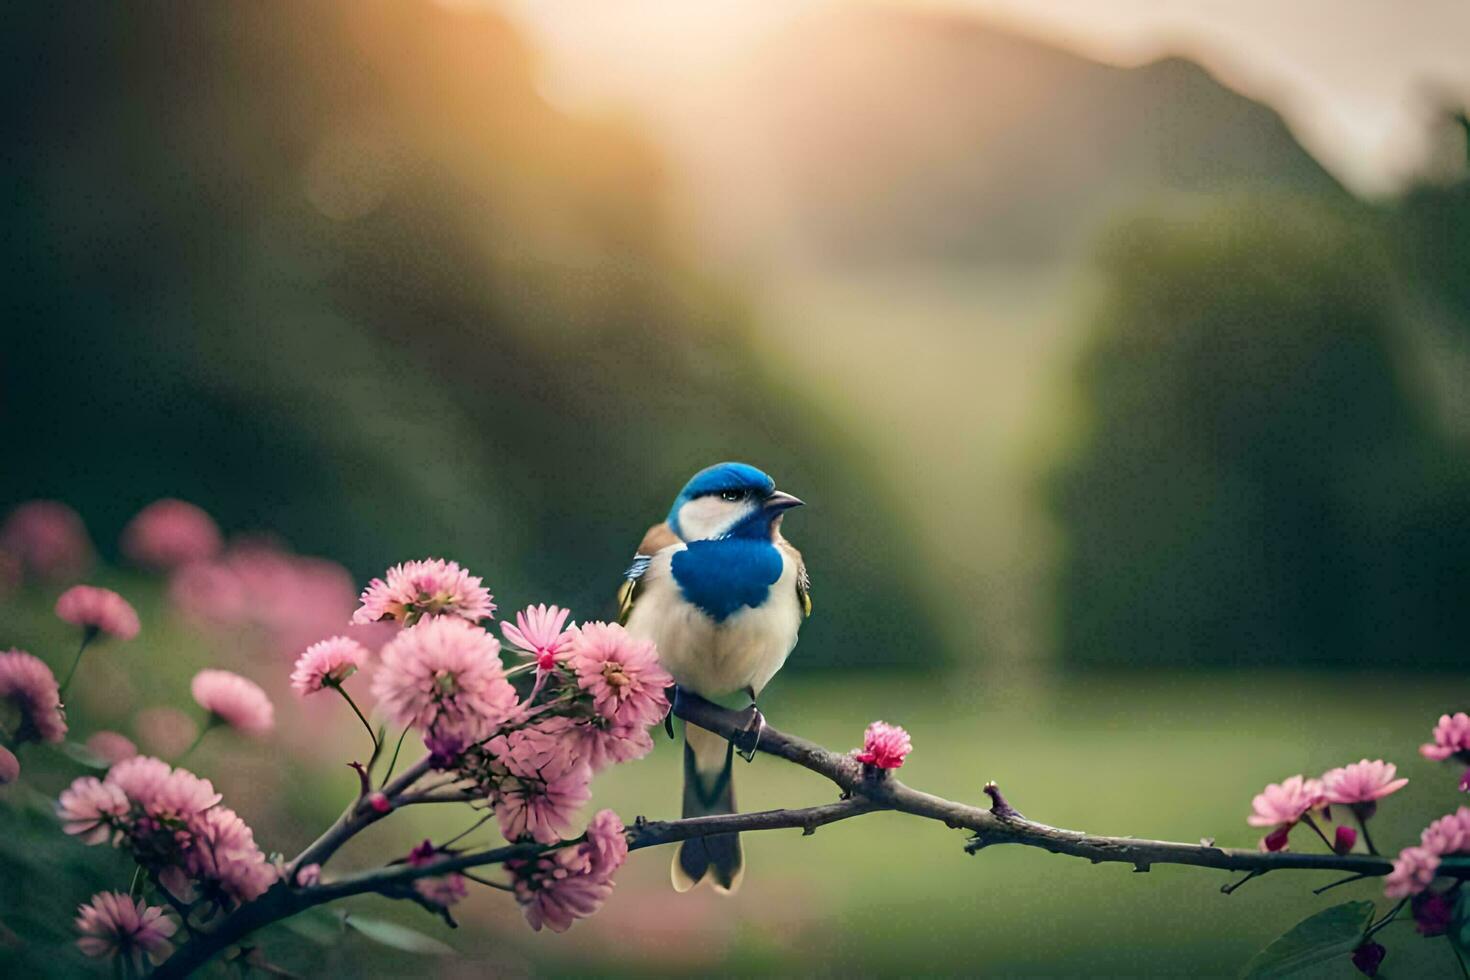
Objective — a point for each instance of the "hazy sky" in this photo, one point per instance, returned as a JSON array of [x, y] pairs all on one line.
[[1354, 78]]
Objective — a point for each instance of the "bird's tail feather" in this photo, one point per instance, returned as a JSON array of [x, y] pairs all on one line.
[[708, 788]]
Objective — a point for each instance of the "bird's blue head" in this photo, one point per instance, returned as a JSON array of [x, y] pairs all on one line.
[[729, 500]]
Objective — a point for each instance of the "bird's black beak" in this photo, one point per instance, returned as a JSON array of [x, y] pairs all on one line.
[[779, 501]]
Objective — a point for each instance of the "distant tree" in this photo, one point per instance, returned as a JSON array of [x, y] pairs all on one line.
[[1257, 479]]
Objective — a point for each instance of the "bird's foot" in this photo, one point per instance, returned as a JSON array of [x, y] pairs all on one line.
[[749, 739]]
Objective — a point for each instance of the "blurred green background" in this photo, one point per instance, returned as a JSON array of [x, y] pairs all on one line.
[[1134, 441]]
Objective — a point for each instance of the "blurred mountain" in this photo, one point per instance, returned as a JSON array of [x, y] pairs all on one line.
[[866, 135], [338, 271]]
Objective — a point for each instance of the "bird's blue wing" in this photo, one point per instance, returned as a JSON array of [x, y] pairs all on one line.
[[659, 537]]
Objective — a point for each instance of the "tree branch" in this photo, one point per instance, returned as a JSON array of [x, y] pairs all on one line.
[[864, 790]]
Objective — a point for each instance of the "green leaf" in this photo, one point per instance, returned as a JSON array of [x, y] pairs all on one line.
[[1459, 933], [316, 925], [1330, 933], [399, 937], [77, 752]]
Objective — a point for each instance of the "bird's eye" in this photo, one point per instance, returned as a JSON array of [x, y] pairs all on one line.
[[731, 495]]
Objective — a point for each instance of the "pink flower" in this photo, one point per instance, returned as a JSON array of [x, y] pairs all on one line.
[[329, 662], [607, 844], [1451, 737], [1412, 872], [111, 747], [232, 699], [309, 876], [443, 890], [444, 673], [1286, 802], [622, 674], [162, 792], [601, 747], [9, 767], [224, 854], [884, 746], [98, 611], [30, 687], [169, 533], [91, 809], [558, 888], [112, 924], [49, 539], [538, 631], [545, 786], [1361, 782], [1449, 834], [432, 587]]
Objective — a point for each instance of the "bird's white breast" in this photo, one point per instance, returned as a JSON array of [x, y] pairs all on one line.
[[714, 659]]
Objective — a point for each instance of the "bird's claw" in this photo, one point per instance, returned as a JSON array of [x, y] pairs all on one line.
[[749, 739], [673, 707]]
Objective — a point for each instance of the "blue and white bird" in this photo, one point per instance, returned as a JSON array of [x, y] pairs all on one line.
[[722, 594]]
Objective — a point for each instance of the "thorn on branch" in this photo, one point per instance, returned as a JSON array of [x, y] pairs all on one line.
[[998, 804], [1230, 888]]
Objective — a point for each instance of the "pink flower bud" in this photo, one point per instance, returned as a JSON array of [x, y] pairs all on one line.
[[379, 802], [1368, 957], [1344, 840], [9, 767], [309, 876], [1432, 914], [1276, 839], [885, 746]]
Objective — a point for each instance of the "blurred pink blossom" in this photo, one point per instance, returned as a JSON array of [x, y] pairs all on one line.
[[234, 700], [885, 746], [622, 674], [1449, 834], [309, 876], [30, 687], [114, 925], [9, 767], [98, 611], [546, 786], [111, 747], [1413, 871], [1361, 782], [169, 533], [444, 673], [49, 538], [165, 730], [326, 662], [538, 632], [432, 587], [161, 791]]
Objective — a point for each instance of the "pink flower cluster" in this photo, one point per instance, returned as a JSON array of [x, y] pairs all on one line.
[[432, 587], [168, 534], [1358, 786], [172, 823], [441, 890], [98, 611], [544, 782], [885, 746], [290, 600], [1415, 868], [115, 926], [622, 674], [30, 688], [1451, 740], [559, 887]]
